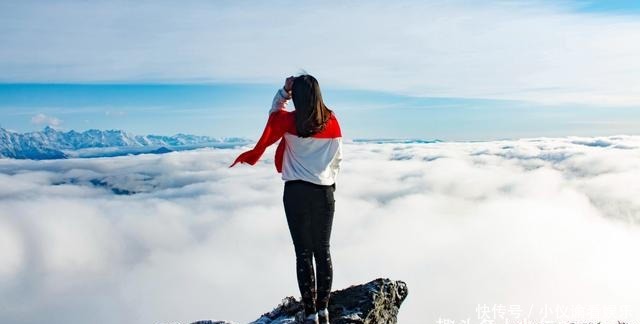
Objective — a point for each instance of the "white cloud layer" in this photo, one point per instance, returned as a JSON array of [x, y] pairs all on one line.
[[534, 222], [535, 51]]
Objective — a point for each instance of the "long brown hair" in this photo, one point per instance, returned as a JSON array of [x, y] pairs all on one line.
[[311, 112]]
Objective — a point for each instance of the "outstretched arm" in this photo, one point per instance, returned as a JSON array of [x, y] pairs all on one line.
[[275, 128], [273, 131]]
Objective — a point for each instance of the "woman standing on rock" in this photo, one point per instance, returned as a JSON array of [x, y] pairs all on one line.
[[308, 156]]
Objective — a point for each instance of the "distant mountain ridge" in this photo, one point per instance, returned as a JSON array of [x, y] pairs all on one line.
[[53, 144], [396, 140]]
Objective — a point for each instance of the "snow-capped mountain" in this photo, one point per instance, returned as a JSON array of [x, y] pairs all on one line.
[[53, 144]]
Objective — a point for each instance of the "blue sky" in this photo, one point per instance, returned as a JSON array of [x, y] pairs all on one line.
[[450, 70], [615, 6]]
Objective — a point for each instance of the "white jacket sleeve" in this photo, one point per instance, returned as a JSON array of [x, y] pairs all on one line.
[[280, 101], [337, 160]]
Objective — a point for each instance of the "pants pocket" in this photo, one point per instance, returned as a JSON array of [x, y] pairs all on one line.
[[329, 198]]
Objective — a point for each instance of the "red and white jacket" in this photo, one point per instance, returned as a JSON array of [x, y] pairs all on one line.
[[314, 159]]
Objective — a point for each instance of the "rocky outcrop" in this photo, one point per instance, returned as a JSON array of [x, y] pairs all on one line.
[[376, 302]]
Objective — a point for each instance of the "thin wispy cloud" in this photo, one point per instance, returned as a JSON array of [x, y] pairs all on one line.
[[534, 222], [115, 113], [546, 52], [42, 119]]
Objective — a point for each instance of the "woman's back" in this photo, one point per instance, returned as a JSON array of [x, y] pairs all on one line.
[[316, 158]]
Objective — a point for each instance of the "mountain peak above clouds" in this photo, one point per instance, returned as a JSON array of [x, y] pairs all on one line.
[[51, 143]]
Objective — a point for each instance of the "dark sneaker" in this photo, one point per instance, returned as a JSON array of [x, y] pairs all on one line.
[[311, 319], [323, 316]]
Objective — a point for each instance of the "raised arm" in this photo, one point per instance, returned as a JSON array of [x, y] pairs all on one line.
[[280, 100], [283, 95]]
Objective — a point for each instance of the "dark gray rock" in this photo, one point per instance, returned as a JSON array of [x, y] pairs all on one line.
[[376, 302]]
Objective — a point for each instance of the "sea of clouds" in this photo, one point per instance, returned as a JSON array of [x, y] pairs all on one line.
[[550, 226]]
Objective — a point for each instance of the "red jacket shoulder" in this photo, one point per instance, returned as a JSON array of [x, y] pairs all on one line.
[[331, 130]]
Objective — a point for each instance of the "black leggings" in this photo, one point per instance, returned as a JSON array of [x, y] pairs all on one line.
[[309, 208]]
